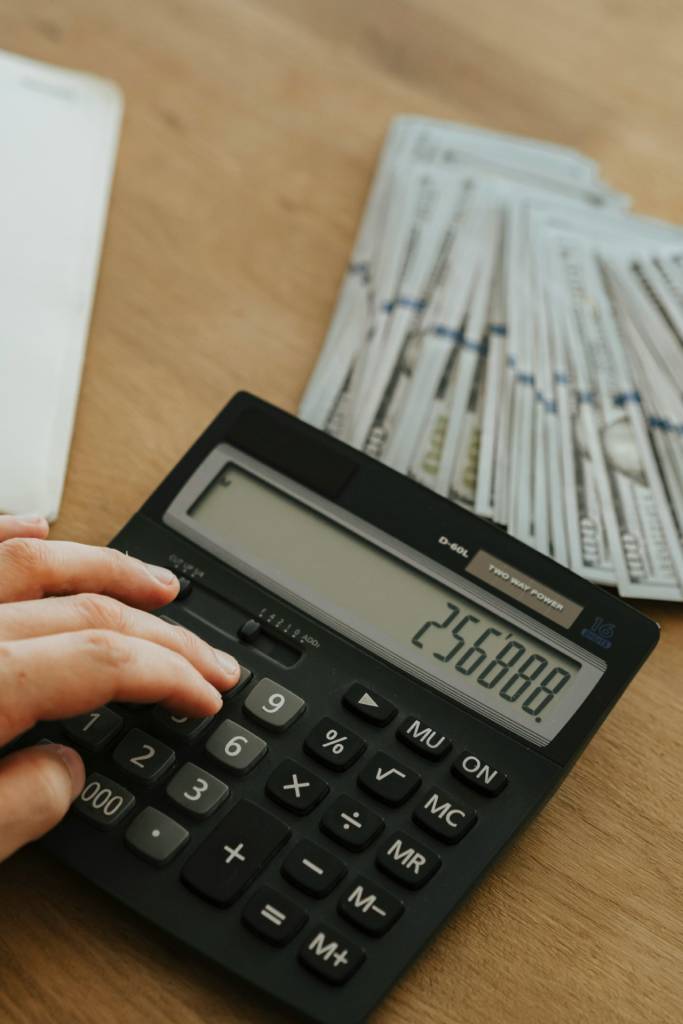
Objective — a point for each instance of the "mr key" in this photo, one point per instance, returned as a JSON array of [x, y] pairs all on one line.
[[404, 713]]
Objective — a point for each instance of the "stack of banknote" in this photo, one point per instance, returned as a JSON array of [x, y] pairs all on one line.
[[508, 334]]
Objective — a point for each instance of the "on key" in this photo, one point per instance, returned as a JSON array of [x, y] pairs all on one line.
[[234, 854]]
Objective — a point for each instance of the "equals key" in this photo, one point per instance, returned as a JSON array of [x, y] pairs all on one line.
[[273, 917]]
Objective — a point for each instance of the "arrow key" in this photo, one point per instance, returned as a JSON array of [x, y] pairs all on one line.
[[369, 705], [388, 780]]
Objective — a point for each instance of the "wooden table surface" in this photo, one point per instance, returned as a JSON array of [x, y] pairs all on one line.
[[250, 137]]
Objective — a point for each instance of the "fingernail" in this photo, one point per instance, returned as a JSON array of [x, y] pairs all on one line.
[[74, 765], [161, 575], [228, 664], [32, 517], [217, 699]]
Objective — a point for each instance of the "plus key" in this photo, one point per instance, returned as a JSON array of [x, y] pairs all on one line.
[[234, 854]]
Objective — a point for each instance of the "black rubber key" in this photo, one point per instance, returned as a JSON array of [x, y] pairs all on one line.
[[234, 854], [330, 956], [388, 780], [272, 916], [369, 705], [334, 745]]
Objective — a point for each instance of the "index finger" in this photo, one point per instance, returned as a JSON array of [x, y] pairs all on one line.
[[67, 674], [31, 569], [23, 526]]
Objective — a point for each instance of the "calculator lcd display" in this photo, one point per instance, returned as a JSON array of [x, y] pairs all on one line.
[[493, 665]]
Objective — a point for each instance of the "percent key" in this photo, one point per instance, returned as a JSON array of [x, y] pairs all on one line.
[[334, 745]]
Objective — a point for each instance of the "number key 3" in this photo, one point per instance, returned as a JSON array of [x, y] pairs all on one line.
[[143, 756], [196, 790]]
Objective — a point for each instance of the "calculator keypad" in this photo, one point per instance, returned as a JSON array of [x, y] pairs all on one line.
[[294, 787], [196, 791], [143, 756], [407, 860], [312, 869], [235, 853], [155, 836], [388, 780], [273, 917], [334, 745], [273, 706], [248, 837], [235, 747], [94, 730], [351, 824], [444, 815], [104, 802], [369, 907]]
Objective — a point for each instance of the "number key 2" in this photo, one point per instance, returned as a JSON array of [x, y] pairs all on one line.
[[143, 756]]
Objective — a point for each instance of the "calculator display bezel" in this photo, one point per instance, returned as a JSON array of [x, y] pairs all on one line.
[[178, 516]]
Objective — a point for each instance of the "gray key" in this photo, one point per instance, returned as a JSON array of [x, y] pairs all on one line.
[[273, 705], [236, 747], [196, 791], [103, 802], [155, 836], [182, 726]]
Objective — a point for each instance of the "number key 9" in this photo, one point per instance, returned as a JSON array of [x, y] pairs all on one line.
[[273, 705]]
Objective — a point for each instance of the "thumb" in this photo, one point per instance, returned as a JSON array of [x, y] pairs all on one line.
[[37, 787]]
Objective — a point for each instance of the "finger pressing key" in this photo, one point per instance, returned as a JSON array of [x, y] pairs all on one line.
[[37, 787], [67, 674], [25, 619]]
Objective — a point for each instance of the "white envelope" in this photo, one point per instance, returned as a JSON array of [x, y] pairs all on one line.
[[57, 154]]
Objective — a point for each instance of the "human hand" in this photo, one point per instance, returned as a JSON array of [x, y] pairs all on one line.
[[75, 633]]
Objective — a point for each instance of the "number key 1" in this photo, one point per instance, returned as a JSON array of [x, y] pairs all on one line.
[[94, 729], [143, 755]]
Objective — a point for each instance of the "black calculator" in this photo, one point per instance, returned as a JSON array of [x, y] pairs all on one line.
[[416, 683]]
